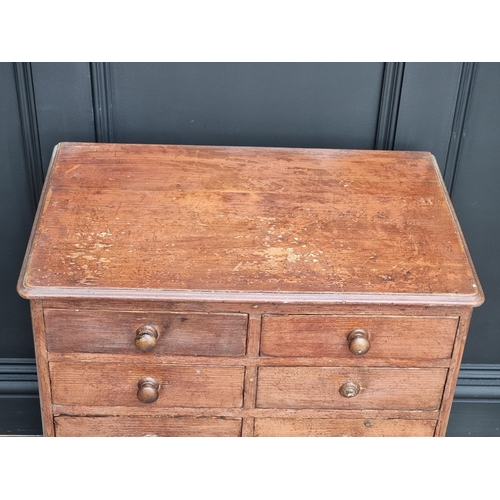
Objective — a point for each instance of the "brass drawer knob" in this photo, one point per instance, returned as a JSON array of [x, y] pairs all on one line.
[[358, 341], [349, 389], [148, 390], [146, 337]]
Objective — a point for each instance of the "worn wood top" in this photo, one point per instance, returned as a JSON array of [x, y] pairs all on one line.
[[243, 223]]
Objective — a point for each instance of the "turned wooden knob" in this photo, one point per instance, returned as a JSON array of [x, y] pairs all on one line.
[[358, 341], [349, 389], [148, 390], [146, 337]]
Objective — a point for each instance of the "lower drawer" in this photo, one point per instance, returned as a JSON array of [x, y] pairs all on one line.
[[351, 388], [317, 427], [147, 426], [124, 384]]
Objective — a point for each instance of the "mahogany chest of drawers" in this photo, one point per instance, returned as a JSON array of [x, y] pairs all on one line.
[[238, 291]]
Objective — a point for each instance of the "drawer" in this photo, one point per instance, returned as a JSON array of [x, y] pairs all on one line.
[[147, 426], [110, 384], [318, 427], [394, 337], [379, 388], [195, 334]]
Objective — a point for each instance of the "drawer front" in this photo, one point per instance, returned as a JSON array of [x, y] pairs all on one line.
[[109, 384], [323, 427], [379, 388], [395, 337], [147, 426], [195, 334]]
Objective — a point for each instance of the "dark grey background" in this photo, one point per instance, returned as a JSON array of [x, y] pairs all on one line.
[[450, 109]]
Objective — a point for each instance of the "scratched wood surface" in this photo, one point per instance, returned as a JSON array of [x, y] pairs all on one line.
[[323, 427], [116, 384], [103, 331], [390, 337], [146, 220], [147, 426], [380, 388]]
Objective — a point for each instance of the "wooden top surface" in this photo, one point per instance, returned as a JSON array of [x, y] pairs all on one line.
[[231, 223]]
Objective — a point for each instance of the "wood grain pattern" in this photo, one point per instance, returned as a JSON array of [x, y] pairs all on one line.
[[321, 427], [103, 331], [147, 426], [304, 413], [248, 362], [254, 331], [249, 307], [42, 367], [392, 337], [116, 385], [152, 221], [253, 264], [381, 388], [452, 378]]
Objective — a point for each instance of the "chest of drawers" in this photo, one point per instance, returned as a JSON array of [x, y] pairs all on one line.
[[231, 291]]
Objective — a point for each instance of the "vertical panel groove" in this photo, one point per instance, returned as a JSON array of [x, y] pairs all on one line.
[[29, 128], [389, 105], [100, 75], [458, 127]]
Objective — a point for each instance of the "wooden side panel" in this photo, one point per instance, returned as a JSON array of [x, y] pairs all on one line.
[[390, 336], [323, 427], [147, 426], [109, 384], [380, 388], [113, 332], [452, 378], [42, 367]]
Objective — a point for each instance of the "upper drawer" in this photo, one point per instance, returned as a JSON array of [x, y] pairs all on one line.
[[195, 334], [395, 337]]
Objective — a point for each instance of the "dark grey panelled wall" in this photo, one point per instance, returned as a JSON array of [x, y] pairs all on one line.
[[64, 109], [476, 196], [16, 216], [450, 109], [19, 406], [427, 107], [298, 105]]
